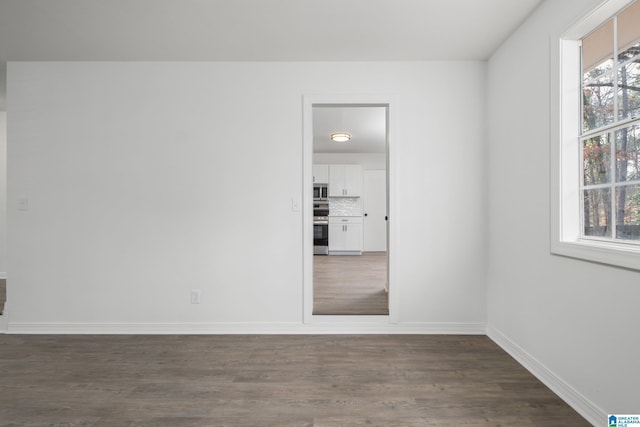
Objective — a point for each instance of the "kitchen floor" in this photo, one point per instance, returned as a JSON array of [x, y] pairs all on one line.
[[350, 285]]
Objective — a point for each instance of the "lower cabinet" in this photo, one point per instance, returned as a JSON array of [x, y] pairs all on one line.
[[345, 235]]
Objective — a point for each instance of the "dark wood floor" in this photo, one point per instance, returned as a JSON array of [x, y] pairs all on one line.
[[236, 380], [351, 285]]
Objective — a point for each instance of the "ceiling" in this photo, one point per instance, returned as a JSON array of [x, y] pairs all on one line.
[[366, 125], [254, 30]]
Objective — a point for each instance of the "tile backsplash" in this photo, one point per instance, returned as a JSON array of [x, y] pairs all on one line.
[[345, 206]]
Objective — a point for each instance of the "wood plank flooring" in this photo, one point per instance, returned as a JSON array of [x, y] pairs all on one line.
[[266, 380], [351, 285]]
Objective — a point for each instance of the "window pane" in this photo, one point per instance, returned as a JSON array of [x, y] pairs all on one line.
[[627, 154], [628, 28], [628, 212], [629, 49], [598, 102], [597, 47], [597, 212], [597, 81], [629, 90], [596, 154]]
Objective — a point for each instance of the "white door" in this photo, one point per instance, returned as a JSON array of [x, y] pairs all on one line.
[[374, 201]]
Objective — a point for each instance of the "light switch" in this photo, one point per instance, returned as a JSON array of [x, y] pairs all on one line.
[[196, 295], [23, 204], [295, 205]]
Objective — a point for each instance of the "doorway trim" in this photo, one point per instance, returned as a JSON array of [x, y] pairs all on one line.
[[362, 100]]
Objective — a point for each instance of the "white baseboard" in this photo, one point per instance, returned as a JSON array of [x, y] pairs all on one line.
[[589, 410], [4, 322], [328, 327], [343, 325], [149, 328]]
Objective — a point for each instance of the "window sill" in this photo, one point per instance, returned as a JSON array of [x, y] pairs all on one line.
[[615, 254]]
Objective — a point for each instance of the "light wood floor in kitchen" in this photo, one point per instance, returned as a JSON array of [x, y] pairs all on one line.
[[269, 380], [351, 285]]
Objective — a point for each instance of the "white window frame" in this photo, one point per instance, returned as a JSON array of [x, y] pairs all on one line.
[[565, 153]]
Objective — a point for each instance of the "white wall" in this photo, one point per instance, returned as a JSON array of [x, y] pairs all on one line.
[[146, 180], [576, 321], [375, 161]]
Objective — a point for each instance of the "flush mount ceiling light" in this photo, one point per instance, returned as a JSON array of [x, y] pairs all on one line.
[[340, 136]]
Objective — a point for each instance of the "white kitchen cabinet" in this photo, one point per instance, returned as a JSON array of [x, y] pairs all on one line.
[[320, 174], [345, 235], [345, 180]]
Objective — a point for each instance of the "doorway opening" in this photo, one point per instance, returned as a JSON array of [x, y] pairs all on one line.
[[348, 256]]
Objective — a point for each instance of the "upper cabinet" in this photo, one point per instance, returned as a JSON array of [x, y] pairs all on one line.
[[320, 174], [345, 180]]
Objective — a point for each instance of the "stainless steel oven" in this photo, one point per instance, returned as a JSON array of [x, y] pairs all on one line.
[[321, 228]]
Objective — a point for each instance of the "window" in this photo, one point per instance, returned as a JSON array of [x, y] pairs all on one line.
[[596, 210], [610, 139]]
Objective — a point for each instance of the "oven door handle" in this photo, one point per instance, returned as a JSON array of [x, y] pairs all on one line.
[[320, 222]]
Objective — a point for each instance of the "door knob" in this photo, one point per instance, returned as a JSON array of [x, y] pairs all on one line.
[[366, 214]]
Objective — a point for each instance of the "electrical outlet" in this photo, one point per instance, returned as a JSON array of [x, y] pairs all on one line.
[[195, 296]]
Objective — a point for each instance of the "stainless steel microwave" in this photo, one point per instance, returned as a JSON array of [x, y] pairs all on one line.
[[320, 192]]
